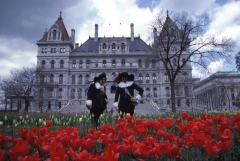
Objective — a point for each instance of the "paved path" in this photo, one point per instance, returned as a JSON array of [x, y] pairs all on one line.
[[147, 108]]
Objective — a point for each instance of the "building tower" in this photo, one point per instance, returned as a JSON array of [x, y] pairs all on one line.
[[52, 66]]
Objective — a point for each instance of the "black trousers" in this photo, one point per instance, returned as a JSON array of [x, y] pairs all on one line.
[[95, 113], [128, 109]]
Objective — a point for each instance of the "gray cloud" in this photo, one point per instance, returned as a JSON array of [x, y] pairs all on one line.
[[29, 18]]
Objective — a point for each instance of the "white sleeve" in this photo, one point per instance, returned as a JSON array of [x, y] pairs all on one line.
[[138, 97], [115, 104], [89, 102]]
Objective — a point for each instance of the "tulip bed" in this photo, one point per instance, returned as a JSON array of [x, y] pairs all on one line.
[[182, 137]]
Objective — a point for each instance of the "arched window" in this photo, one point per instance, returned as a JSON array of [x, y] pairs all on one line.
[[88, 63], [60, 79], [49, 105], [113, 63], [60, 93], [80, 63], [73, 79], [80, 79], [187, 102], [52, 64], [123, 47], [104, 46], [58, 35], [54, 34], [74, 63], [167, 91], [113, 46], [51, 78], [154, 78], [123, 62], [86, 79], [43, 63], [59, 105], [154, 92], [179, 102], [61, 64], [147, 78], [148, 92], [50, 36], [140, 63], [72, 93], [140, 77], [79, 93], [104, 63]]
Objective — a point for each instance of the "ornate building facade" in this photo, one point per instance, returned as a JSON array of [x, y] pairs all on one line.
[[67, 69]]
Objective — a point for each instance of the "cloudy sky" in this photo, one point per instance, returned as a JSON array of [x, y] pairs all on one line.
[[23, 23]]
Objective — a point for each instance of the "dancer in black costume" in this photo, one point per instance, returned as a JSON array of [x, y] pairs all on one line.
[[124, 96], [97, 98], [131, 86]]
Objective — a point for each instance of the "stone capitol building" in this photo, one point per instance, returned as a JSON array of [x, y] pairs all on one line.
[[65, 70]]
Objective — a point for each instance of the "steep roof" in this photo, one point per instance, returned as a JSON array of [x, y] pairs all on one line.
[[93, 46], [59, 24], [168, 24]]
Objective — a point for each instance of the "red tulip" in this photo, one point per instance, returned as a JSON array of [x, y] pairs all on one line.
[[2, 155]]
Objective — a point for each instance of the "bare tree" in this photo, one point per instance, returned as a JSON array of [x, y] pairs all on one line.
[[180, 41], [237, 61], [20, 85]]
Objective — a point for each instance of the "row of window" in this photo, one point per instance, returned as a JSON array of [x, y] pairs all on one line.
[[180, 102], [53, 50], [87, 77], [50, 79], [52, 64], [88, 63], [147, 78], [179, 91], [80, 94], [113, 46], [59, 93]]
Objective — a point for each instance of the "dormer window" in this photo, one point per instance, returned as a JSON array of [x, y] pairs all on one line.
[[123, 47], [43, 64], [113, 46], [52, 64], [54, 34], [104, 46]]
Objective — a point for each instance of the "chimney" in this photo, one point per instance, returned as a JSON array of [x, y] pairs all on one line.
[[154, 35], [132, 31], [96, 32], [76, 45], [73, 35]]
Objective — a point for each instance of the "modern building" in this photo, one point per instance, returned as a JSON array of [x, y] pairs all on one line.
[[66, 69], [220, 91]]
